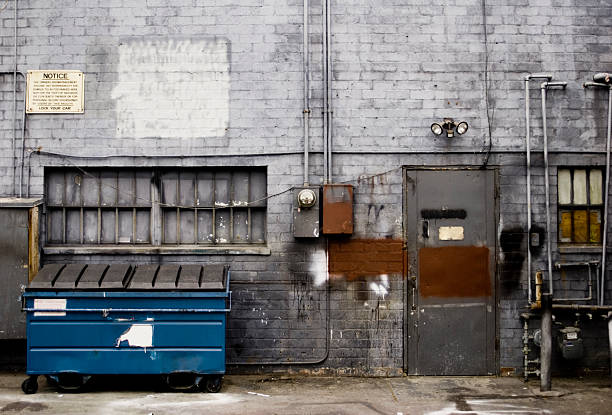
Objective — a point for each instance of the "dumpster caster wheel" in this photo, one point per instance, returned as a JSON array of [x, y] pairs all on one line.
[[69, 382], [213, 384], [30, 385]]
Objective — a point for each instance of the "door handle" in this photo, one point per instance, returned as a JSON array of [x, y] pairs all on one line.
[[413, 279], [425, 229]]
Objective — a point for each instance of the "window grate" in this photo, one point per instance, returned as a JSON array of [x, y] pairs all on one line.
[[155, 206]]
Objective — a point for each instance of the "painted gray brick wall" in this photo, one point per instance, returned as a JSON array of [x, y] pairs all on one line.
[[229, 93]]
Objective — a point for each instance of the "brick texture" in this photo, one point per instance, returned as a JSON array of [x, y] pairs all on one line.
[[188, 83]]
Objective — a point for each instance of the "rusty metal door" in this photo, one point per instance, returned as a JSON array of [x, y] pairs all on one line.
[[450, 234]]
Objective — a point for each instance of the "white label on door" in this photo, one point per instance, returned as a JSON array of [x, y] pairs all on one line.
[[50, 304], [450, 233]]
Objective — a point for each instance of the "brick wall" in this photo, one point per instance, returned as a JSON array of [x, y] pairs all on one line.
[[397, 67]]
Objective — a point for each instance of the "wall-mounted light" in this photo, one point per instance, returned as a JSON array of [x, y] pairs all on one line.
[[450, 127]]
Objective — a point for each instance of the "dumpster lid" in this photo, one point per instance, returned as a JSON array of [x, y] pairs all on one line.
[[102, 277]]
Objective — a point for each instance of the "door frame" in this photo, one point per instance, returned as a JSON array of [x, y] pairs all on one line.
[[410, 221]]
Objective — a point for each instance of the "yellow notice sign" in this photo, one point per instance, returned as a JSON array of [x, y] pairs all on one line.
[[55, 91]]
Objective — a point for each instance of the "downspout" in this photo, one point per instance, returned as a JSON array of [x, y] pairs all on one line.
[[329, 91], [599, 78], [528, 161], [23, 121], [325, 111], [544, 86], [306, 111], [606, 203], [14, 146]]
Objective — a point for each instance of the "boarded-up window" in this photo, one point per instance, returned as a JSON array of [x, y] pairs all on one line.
[[132, 206], [580, 202]]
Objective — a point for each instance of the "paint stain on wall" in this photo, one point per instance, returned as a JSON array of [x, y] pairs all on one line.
[[511, 242], [454, 271], [172, 88], [357, 258]]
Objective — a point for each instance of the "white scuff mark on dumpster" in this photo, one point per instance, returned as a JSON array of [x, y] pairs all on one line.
[[138, 335]]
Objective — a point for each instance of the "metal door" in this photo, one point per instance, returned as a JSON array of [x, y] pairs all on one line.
[[450, 234]]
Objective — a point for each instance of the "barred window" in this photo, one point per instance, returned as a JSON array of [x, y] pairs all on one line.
[[155, 206], [580, 204]]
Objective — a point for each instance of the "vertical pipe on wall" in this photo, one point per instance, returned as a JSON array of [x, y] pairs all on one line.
[[546, 343], [329, 91], [528, 162], [324, 73], [14, 144], [610, 339], [306, 111], [544, 87], [602, 285], [604, 246], [547, 191], [22, 159]]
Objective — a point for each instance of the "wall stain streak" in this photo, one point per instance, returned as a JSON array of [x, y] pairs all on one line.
[[511, 243], [454, 271], [357, 258]]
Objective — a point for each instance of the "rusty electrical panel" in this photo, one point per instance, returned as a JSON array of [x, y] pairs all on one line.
[[338, 209]]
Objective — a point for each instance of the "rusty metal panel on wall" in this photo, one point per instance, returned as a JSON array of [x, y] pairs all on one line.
[[338, 209]]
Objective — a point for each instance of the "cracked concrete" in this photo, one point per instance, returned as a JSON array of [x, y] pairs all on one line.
[[293, 394]]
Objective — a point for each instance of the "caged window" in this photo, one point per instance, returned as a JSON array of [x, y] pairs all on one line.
[[155, 206], [580, 204]]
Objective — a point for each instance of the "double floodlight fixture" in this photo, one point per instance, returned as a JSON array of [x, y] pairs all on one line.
[[450, 127]]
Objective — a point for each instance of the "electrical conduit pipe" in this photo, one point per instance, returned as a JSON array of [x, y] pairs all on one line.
[[528, 162], [544, 86]]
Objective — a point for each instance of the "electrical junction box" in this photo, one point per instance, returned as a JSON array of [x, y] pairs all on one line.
[[338, 209], [306, 212]]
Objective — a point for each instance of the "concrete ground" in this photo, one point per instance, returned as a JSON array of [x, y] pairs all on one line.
[[283, 394]]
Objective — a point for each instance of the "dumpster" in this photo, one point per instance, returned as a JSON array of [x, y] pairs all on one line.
[[123, 319]]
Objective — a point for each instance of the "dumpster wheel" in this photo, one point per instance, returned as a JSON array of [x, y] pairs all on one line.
[[212, 384], [30, 385], [69, 381], [182, 381]]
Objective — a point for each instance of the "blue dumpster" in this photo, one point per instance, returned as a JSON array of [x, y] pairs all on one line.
[[85, 320]]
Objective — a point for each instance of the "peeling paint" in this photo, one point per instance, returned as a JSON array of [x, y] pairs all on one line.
[[138, 335]]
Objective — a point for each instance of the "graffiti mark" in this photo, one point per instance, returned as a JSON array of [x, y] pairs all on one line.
[[377, 210]]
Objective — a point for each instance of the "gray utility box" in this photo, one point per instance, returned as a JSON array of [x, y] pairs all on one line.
[[19, 260], [306, 214]]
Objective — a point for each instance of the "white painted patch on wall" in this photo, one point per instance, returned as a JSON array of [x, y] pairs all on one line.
[[138, 335], [450, 233], [318, 267], [381, 285], [172, 88]]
